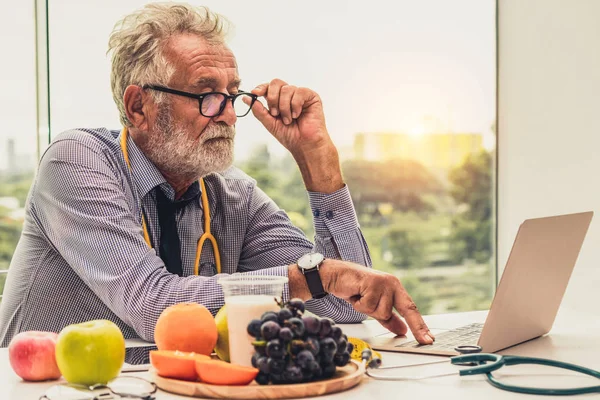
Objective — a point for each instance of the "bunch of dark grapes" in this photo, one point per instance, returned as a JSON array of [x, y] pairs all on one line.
[[293, 348]]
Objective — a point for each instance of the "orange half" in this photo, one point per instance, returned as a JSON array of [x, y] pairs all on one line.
[[217, 372], [176, 364]]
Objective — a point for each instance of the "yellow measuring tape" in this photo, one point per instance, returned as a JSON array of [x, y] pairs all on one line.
[[204, 196]]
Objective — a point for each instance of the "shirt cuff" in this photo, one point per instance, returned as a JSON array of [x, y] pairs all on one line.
[[333, 214]]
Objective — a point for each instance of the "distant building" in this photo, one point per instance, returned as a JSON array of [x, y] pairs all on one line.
[[11, 156], [436, 151], [18, 163]]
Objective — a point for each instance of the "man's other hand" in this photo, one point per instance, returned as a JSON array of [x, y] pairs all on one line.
[[371, 292], [294, 116]]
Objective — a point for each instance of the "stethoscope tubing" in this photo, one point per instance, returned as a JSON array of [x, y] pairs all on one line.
[[541, 391], [486, 363]]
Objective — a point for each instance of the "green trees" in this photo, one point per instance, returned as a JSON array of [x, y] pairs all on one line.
[[424, 219], [15, 186], [472, 190], [407, 248], [10, 231], [401, 183], [258, 166], [395, 186]]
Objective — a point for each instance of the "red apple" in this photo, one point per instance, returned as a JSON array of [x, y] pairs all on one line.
[[31, 355]]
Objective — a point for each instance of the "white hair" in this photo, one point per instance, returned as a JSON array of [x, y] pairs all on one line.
[[137, 43]]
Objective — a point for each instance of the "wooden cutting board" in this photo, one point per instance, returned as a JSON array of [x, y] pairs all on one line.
[[345, 378]]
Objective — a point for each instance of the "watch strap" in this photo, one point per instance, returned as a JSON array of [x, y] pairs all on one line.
[[313, 279]]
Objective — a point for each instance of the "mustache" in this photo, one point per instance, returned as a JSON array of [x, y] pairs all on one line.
[[218, 130]]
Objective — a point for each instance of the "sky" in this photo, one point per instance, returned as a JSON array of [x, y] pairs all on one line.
[[393, 66]]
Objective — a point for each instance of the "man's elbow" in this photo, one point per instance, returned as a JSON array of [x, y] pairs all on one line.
[[144, 331]]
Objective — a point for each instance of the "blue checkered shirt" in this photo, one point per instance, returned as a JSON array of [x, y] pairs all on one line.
[[82, 254]]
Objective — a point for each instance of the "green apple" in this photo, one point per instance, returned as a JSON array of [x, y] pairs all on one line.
[[90, 353]]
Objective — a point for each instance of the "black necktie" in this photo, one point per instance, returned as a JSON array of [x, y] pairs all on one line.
[[170, 246]]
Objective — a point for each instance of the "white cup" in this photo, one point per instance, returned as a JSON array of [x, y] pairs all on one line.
[[248, 297]]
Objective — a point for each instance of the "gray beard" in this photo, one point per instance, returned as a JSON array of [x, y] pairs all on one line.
[[170, 148]]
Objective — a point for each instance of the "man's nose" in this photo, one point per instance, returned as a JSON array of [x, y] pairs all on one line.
[[228, 115]]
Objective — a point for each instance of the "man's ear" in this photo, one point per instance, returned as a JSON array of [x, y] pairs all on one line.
[[134, 99]]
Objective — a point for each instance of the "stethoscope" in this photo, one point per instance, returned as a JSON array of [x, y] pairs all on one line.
[[207, 235], [485, 363]]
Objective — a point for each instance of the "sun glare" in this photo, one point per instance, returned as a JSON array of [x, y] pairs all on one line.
[[417, 130]]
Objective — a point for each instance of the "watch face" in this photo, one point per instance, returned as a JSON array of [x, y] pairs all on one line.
[[310, 260]]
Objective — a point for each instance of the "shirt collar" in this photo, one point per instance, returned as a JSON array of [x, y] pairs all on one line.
[[145, 174], [190, 194]]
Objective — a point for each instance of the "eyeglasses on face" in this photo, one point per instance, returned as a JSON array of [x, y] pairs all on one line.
[[212, 104]]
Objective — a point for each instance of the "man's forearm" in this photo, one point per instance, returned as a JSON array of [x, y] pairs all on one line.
[[297, 284], [320, 169]]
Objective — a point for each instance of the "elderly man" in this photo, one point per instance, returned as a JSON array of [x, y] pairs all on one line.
[[116, 220]]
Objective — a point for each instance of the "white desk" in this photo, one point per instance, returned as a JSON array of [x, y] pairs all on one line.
[[575, 338]]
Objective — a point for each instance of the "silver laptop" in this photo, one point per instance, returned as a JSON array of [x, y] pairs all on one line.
[[528, 296]]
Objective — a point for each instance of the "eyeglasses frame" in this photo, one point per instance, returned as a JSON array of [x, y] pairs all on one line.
[[200, 97]]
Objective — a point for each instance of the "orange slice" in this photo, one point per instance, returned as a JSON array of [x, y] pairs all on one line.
[[217, 372], [176, 364]]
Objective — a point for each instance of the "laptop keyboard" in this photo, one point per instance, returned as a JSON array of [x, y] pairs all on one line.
[[462, 336]]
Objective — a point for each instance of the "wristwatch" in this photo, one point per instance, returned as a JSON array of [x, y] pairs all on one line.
[[309, 265]]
